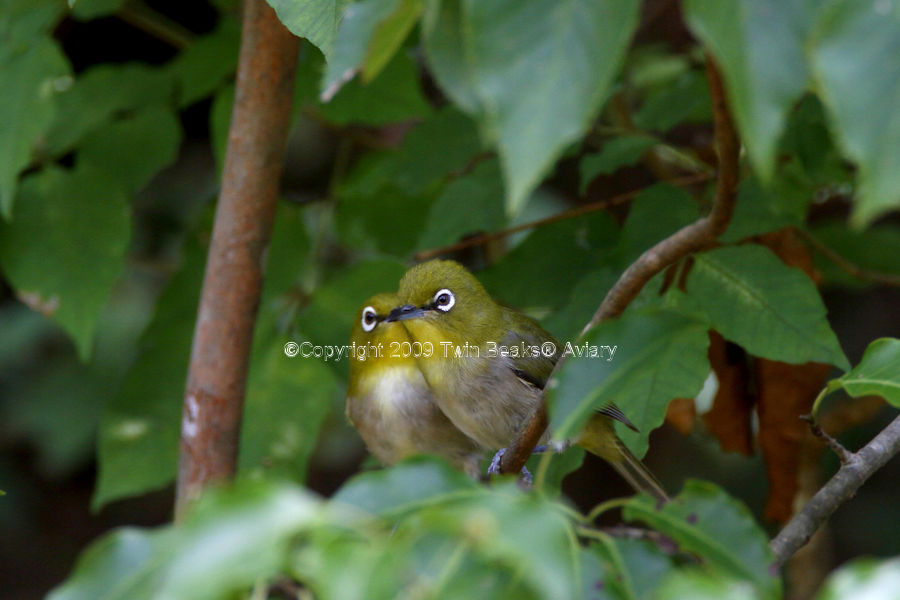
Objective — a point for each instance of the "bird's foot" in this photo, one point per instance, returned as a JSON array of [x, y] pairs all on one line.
[[494, 468]]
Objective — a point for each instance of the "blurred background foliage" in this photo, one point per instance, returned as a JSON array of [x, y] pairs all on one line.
[[444, 120]]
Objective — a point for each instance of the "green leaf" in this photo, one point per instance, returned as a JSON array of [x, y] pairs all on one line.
[[287, 401], [583, 242], [66, 247], [98, 94], [230, 540], [235, 538], [29, 81], [878, 373], [706, 521], [206, 63], [760, 210], [660, 354], [444, 41], [467, 205], [315, 20], [521, 530], [567, 322], [394, 96], [133, 149], [85, 10], [759, 45], [445, 142], [405, 487], [539, 70], [634, 568], [704, 585], [770, 309], [618, 152], [138, 441], [108, 562], [368, 35], [656, 213], [21, 21], [853, 52], [863, 578], [877, 249], [220, 122], [684, 100]]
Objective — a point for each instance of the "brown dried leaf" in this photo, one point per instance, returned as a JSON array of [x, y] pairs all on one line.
[[784, 393], [729, 418], [680, 414]]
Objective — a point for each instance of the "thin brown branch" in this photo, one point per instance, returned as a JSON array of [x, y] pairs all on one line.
[[149, 21], [578, 211], [687, 240], [213, 402], [845, 265], [838, 490], [842, 453]]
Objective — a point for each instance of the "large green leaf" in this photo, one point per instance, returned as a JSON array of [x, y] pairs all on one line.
[[876, 249], [367, 37], [706, 521], [394, 96], [633, 568], [66, 247], [556, 255], [616, 153], [29, 81], [231, 540], [405, 487], [697, 584], [770, 309], [760, 210], [759, 45], [108, 562], [206, 63], [656, 213], [98, 94], [878, 373], [854, 52], [539, 71], [445, 142], [315, 20], [138, 441], [134, 149], [22, 21], [660, 354], [467, 205]]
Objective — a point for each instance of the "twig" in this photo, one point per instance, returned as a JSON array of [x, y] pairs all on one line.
[[213, 402], [484, 238], [691, 238], [843, 454], [845, 265], [151, 22], [840, 488]]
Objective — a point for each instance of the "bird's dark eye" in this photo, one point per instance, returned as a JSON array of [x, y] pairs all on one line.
[[444, 300], [369, 318]]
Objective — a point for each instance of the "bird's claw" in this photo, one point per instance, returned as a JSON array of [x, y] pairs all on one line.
[[494, 468]]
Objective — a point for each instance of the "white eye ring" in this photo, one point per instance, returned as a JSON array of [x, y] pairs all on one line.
[[444, 300], [369, 318]]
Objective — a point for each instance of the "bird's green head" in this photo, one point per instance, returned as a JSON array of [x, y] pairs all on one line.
[[371, 330], [440, 300]]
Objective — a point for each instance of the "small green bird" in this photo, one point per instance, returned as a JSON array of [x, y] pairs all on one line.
[[486, 394], [388, 401]]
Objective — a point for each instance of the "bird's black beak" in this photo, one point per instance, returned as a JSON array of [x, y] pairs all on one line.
[[404, 313]]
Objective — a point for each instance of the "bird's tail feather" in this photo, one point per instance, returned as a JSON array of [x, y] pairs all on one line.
[[637, 475]]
